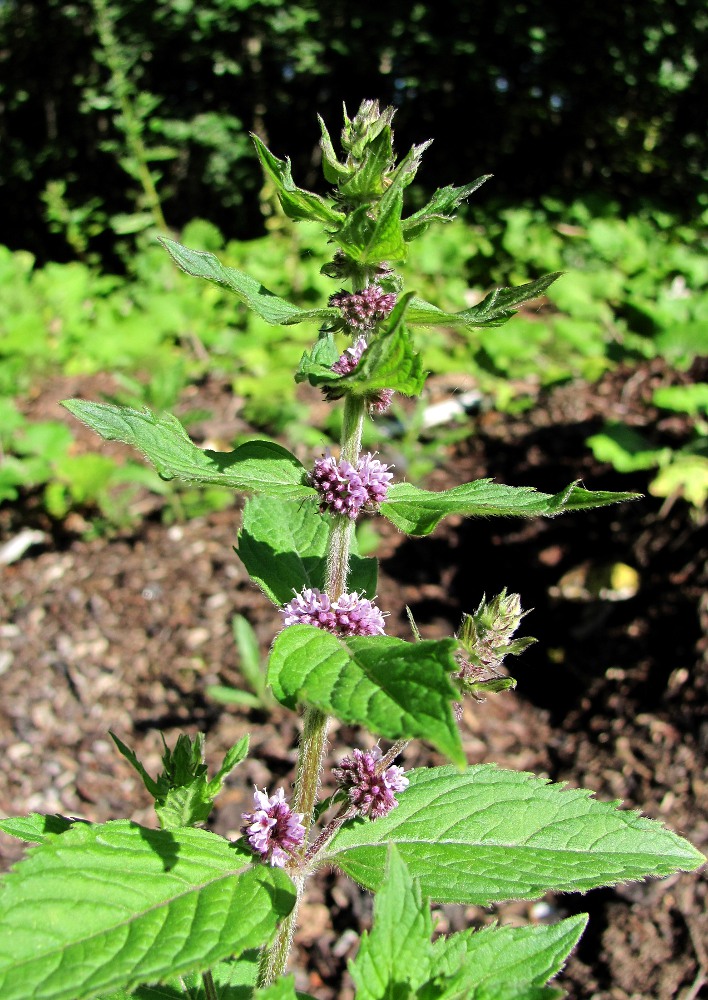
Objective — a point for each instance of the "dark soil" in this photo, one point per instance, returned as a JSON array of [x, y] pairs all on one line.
[[126, 634]]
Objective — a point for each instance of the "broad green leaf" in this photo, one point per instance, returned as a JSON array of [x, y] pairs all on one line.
[[494, 310], [395, 689], [234, 979], [297, 203], [521, 956], [250, 291], [371, 241], [488, 835], [108, 907], [692, 399], [316, 365], [418, 512], [256, 466], [284, 549], [397, 952], [389, 362], [440, 208], [36, 828]]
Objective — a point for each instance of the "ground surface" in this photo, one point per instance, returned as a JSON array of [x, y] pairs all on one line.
[[127, 634]]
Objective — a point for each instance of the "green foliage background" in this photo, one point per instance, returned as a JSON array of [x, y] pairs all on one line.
[[608, 99]]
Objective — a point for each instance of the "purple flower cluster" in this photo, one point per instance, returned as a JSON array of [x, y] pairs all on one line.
[[348, 615], [345, 489], [363, 310], [347, 362], [369, 791], [273, 830]]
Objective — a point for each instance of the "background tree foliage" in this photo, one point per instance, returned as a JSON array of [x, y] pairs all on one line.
[[550, 98]]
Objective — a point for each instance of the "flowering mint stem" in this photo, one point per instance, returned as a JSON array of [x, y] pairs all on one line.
[[313, 742]]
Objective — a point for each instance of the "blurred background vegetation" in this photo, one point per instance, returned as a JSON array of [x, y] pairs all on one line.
[[123, 118]]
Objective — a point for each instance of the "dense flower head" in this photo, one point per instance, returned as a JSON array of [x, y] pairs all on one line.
[[347, 362], [344, 489], [380, 401], [364, 309], [273, 830], [370, 792], [350, 614]]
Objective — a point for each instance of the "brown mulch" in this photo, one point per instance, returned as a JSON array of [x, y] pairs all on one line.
[[127, 633]]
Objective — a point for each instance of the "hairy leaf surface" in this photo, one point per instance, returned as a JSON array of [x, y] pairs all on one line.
[[488, 835], [107, 907], [284, 549], [418, 512], [396, 689], [266, 304], [256, 466]]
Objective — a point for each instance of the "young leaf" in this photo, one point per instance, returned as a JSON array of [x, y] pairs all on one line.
[[389, 362], [36, 828], [396, 689], [256, 466], [488, 835], [297, 203], [334, 171], [108, 907], [396, 955], [284, 550], [418, 512], [367, 182], [370, 240], [494, 310], [250, 291], [440, 208], [509, 956]]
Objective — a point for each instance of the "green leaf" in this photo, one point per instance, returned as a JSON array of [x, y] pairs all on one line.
[[367, 182], [389, 362], [284, 549], [250, 291], [297, 203], [397, 952], [256, 466], [488, 835], [494, 310], [625, 449], [440, 208], [370, 240], [396, 689], [107, 907], [418, 512], [35, 828], [506, 956], [334, 171]]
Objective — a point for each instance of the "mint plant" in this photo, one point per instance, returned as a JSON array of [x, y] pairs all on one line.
[[100, 910]]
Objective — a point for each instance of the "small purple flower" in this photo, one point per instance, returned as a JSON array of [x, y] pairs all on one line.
[[364, 309], [339, 485], [370, 792], [381, 401], [344, 489], [310, 607], [273, 830], [375, 477], [348, 615], [358, 616], [347, 362]]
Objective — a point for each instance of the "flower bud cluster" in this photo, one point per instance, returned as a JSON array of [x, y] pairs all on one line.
[[364, 309], [345, 489], [369, 791], [486, 636], [349, 615], [273, 830]]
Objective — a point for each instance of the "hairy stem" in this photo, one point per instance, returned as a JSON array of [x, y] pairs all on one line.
[[313, 742]]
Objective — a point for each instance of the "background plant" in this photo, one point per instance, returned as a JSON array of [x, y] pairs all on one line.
[[457, 835]]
